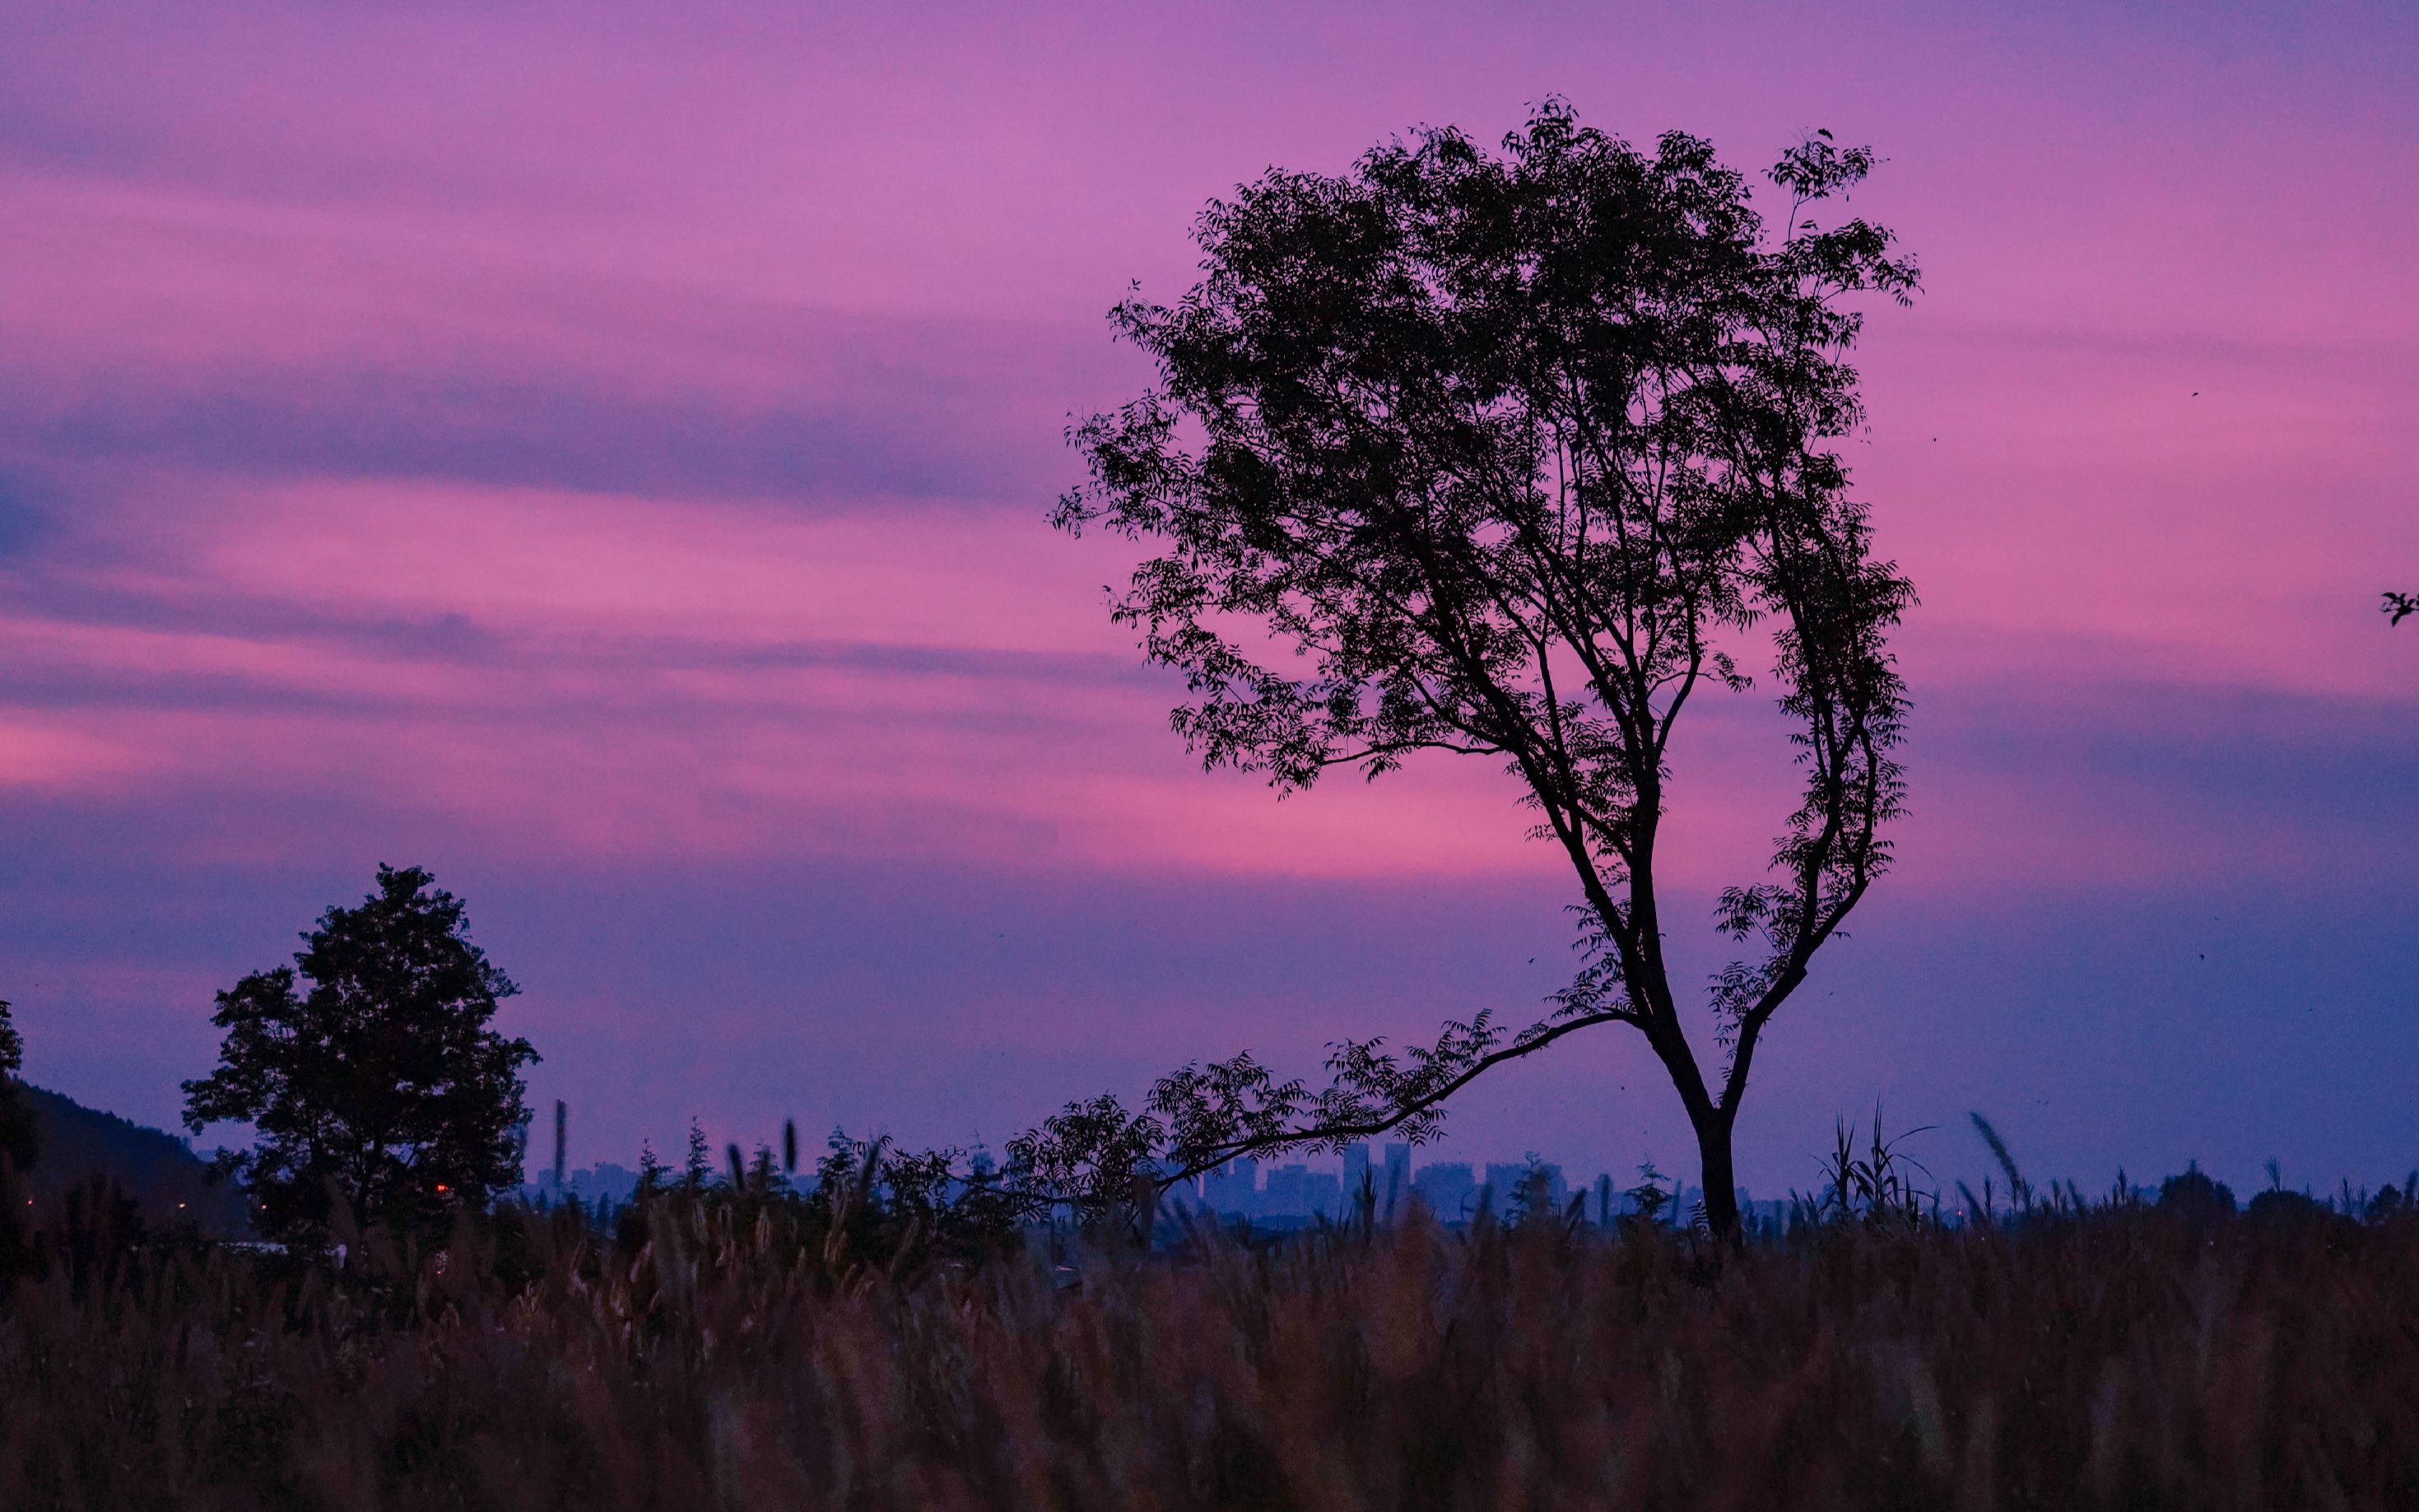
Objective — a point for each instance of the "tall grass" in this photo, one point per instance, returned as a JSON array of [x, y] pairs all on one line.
[[727, 1354]]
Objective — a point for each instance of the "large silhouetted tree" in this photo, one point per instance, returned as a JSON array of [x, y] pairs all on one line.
[[376, 1079], [1517, 456]]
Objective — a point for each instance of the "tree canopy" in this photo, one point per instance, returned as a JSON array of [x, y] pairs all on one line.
[[369, 1068], [1514, 456]]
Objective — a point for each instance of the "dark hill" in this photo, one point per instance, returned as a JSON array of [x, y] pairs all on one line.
[[168, 1181]]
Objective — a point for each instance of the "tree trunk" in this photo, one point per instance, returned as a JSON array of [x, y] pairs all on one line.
[[1721, 1186]]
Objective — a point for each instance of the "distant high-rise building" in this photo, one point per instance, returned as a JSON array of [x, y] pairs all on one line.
[[1232, 1189], [1508, 1185], [1287, 1194], [1448, 1189], [1397, 1188], [1503, 1185], [1356, 1174], [1323, 1196], [1557, 1192], [605, 1182], [1183, 1191]]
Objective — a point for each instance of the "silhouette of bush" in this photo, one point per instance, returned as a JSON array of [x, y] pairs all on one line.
[[2280, 1209], [2392, 1201], [2195, 1196]]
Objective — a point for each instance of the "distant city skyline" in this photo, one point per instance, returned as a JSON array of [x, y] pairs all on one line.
[[1287, 1191], [1451, 1189], [1282, 1190]]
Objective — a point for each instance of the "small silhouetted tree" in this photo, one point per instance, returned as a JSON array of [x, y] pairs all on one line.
[[2400, 607], [369, 1068], [18, 1147], [18, 1141], [1519, 457]]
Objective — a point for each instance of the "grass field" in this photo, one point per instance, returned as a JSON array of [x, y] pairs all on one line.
[[722, 1353]]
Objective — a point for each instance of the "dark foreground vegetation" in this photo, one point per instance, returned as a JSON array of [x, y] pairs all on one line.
[[728, 1349]]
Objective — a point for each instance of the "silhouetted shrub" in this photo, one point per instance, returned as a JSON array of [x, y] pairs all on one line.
[[2280, 1209], [2195, 1197]]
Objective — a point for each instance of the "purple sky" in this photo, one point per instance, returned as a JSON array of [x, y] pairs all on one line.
[[605, 461]]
